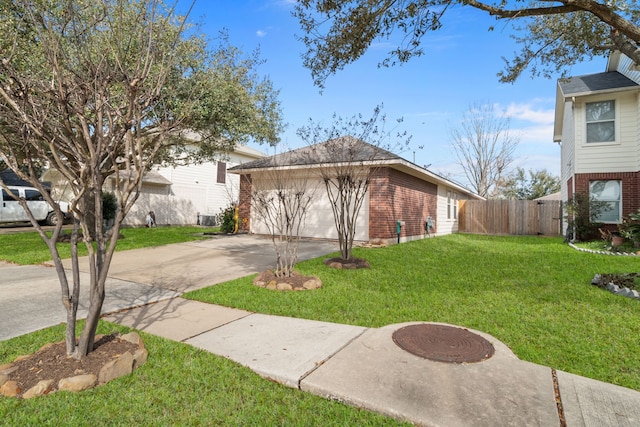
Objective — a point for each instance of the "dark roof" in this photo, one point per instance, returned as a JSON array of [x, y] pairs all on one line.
[[345, 149], [600, 82], [9, 177]]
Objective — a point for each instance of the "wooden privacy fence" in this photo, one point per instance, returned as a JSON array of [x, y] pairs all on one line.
[[516, 217]]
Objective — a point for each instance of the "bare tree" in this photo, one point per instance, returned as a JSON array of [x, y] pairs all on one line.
[[281, 203], [103, 90], [484, 147], [351, 153]]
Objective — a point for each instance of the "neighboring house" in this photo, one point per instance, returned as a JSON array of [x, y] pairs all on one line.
[[182, 195], [399, 191], [552, 196], [597, 123], [9, 177]]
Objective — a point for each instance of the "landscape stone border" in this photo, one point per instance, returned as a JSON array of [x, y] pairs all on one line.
[[615, 289], [611, 287], [122, 365], [592, 251]]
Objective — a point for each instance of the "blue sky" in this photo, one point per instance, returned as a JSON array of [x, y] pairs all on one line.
[[430, 93]]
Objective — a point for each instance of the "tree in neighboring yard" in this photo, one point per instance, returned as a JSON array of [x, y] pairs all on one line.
[[281, 203], [484, 147], [350, 151], [537, 184], [553, 34], [104, 90]]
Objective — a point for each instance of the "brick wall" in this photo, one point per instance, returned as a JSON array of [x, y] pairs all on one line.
[[244, 208], [630, 187], [395, 195]]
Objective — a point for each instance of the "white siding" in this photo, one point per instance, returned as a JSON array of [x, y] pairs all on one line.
[[445, 225], [169, 210], [197, 183], [567, 149], [626, 67], [619, 156], [194, 191]]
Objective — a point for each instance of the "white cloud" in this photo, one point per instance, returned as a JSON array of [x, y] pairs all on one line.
[[530, 113], [261, 33]]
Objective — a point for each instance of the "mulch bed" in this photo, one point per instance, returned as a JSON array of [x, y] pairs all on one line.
[[348, 264], [623, 280], [52, 363], [296, 280]]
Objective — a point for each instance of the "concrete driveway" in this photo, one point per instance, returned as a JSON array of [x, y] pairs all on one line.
[[30, 297], [188, 266]]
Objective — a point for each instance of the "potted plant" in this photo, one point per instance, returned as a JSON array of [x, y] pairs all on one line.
[[617, 238]]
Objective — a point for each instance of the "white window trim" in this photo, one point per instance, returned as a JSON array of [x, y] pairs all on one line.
[[616, 104], [619, 220], [455, 206], [452, 205]]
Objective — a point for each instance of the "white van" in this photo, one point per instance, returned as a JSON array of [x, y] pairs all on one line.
[[11, 211]]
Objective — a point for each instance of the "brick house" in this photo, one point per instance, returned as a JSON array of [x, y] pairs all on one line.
[[398, 191], [597, 124]]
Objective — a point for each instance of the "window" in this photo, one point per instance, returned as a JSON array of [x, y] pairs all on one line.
[[7, 197], [601, 121], [33, 195], [610, 192], [455, 206], [222, 173], [452, 205]]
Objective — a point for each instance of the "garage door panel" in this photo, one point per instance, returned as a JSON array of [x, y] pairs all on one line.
[[319, 222]]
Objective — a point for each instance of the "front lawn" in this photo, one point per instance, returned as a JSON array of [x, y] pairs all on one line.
[[532, 293], [178, 386], [28, 247]]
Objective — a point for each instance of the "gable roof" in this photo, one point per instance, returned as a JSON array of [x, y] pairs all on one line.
[[346, 150], [9, 177], [591, 84], [595, 83]]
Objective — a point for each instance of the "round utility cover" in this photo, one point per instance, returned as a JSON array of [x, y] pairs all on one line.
[[443, 343]]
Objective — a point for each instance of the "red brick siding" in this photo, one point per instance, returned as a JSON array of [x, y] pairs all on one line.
[[570, 187], [630, 187], [394, 196], [244, 206]]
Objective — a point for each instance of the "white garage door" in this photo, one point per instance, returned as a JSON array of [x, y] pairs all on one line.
[[319, 221]]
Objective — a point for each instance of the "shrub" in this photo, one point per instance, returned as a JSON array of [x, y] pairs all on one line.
[[226, 219], [109, 206], [581, 212]]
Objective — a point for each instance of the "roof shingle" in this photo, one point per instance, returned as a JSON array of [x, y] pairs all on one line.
[[600, 82], [345, 149]]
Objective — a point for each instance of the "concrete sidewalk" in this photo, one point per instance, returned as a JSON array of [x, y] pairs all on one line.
[[365, 368]]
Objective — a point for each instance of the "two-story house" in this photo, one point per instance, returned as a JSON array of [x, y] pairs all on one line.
[[180, 195], [597, 124]]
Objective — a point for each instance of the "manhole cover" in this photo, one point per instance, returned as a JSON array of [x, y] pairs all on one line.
[[443, 343]]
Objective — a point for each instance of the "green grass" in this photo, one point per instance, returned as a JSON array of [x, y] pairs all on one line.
[[531, 293], [28, 248], [179, 385]]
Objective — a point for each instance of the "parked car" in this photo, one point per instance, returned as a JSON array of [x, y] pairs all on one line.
[[11, 211]]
